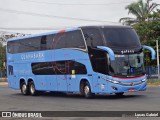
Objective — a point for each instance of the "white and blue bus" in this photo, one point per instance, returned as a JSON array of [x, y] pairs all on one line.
[[88, 60]]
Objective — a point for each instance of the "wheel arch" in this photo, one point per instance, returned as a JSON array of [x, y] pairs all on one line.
[[82, 83], [29, 80], [21, 81]]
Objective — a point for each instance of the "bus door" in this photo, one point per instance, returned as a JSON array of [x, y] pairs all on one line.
[[77, 70], [61, 75], [71, 80]]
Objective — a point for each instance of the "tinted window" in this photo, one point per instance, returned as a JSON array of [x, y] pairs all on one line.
[[43, 68], [61, 67], [43, 42], [50, 41], [31, 44], [10, 69], [93, 37], [59, 41], [75, 40], [58, 67], [99, 58], [79, 68], [27, 45], [66, 67], [71, 39], [13, 47], [121, 37]]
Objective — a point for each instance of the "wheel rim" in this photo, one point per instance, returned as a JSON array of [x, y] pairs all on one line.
[[86, 90], [32, 89], [24, 88]]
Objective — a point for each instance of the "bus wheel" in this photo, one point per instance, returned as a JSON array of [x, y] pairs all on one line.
[[87, 91], [24, 88], [32, 88], [119, 94]]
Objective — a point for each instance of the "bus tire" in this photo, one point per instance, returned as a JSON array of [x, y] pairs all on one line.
[[87, 91], [119, 94], [32, 89], [24, 88]]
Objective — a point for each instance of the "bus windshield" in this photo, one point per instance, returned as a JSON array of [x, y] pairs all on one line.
[[127, 65], [121, 38]]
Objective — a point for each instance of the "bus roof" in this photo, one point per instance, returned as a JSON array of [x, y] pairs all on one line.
[[69, 29], [106, 26], [42, 34]]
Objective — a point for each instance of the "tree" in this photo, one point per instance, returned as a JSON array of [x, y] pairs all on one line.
[[2, 57], [149, 32], [141, 10]]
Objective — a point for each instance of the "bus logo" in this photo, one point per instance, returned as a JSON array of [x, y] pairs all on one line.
[[6, 114]]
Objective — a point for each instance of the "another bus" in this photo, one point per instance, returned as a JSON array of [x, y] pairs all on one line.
[[88, 60]]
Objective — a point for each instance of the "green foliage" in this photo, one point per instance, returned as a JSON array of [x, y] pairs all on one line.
[[2, 57], [154, 81], [141, 10], [149, 32]]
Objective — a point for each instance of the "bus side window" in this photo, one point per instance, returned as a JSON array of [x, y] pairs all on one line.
[[80, 68], [43, 68], [75, 39], [93, 37], [76, 68], [60, 67], [13, 47], [59, 41], [50, 42], [43, 43], [29, 45], [10, 69]]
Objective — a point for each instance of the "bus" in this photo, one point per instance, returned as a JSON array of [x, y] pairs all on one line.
[[89, 60]]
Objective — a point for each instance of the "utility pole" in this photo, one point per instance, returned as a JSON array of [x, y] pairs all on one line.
[[157, 58]]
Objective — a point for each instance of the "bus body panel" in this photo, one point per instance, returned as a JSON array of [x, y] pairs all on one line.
[[22, 69], [63, 69]]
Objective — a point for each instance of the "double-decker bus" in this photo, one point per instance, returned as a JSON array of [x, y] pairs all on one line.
[[88, 60]]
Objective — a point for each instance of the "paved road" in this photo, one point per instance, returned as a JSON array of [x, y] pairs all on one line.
[[12, 100]]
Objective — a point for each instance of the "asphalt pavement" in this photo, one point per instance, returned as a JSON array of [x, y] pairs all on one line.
[[13, 100]]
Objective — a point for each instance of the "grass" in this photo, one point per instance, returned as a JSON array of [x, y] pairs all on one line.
[[153, 81]]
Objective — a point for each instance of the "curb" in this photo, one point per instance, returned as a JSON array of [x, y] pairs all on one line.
[[153, 85], [3, 83]]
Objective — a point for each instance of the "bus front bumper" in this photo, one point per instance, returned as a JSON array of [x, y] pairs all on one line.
[[114, 86]]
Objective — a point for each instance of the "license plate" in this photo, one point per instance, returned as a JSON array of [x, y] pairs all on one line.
[[131, 90]]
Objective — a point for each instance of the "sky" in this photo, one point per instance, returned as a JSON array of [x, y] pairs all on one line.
[[36, 16]]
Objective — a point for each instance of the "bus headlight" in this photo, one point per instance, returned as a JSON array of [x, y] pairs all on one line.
[[144, 80], [115, 82], [112, 81]]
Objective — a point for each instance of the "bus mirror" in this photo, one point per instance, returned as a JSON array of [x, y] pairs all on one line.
[[153, 53], [109, 51]]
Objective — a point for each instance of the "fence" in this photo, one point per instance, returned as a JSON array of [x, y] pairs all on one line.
[[3, 74], [152, 71]]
